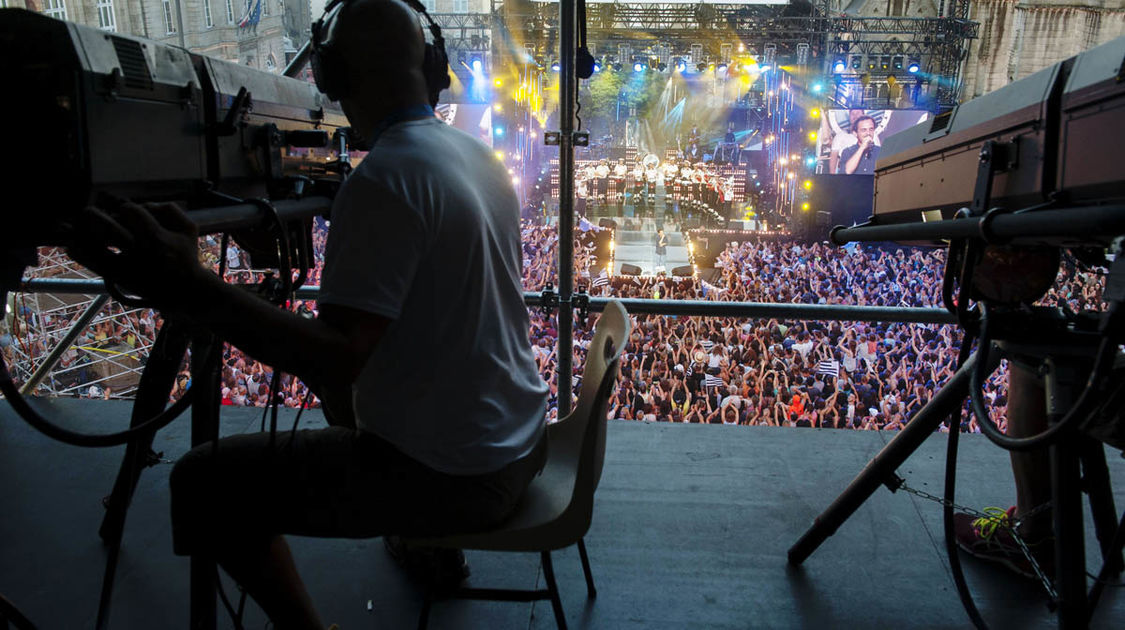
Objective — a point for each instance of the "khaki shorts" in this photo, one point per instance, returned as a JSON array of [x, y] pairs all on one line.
[[334, 482]]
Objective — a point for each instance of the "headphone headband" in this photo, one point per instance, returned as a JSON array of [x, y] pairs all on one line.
[[329, 66]]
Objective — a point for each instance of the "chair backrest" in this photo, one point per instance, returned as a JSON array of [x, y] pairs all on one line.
[[580, 436]]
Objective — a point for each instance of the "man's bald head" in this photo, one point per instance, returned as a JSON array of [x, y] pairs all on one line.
[[380, 41]]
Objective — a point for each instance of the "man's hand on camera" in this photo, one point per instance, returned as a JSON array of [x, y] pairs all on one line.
[[150, 251]]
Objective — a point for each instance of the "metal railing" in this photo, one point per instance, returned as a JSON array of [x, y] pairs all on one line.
[[635, 306]]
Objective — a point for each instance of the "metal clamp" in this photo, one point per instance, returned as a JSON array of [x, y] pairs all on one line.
[[549, 300], [581, 302]]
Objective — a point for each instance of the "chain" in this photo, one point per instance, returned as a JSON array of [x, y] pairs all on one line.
[[1011, 525]]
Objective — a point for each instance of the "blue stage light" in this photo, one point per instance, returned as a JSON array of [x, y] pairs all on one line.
[[817, 88], [638, 67], [839, 66], [914, 67], [498, 131], [722, 67], [810, 161], [597, 67], [555, 67], [681, 66], [477, 65]]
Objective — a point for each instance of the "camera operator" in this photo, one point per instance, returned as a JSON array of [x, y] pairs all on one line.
[[423, 260]]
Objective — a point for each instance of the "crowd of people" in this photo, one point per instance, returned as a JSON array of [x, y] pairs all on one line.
[[774, 372], [853, 375]]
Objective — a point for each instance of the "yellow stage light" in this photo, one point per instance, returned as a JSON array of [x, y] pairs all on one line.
[[805, 206], [498, 83], [807, 184], [814, 113], [496, 108], [812, 136], [500, 155]]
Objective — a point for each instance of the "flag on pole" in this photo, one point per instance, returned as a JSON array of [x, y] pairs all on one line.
[[253, 14], [602, 280]]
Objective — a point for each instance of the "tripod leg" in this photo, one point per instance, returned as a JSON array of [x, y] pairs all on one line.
[[206, 356], [1095, 477], [152, 397], [1070, 550], [879, 470]]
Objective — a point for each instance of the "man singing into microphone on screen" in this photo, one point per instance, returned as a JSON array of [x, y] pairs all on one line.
[[860, 157]]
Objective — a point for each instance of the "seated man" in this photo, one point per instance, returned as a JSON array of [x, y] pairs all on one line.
[[422, 331]]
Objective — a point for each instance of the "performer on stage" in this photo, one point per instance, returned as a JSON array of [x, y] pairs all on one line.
[[661, 243], [602, 171], [618, 180]]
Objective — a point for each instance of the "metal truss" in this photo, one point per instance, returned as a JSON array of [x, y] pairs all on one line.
[[939, 43], [465, 34], [42, 320]]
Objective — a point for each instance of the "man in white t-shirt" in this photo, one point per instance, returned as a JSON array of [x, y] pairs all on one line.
[[422, 331]]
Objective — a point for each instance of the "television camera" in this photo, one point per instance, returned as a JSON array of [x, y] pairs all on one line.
[[1011, 182], [98, 118]]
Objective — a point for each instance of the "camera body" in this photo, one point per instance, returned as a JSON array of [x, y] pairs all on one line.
[[94, 114], [1060, 133]]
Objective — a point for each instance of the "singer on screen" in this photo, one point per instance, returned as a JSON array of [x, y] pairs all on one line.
[[860, 157]]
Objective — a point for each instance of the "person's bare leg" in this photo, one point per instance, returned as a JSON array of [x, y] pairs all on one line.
[[264, 567], [1027, 416]]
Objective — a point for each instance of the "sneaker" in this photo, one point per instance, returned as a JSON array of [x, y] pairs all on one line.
[[439, 570], [990, 538]]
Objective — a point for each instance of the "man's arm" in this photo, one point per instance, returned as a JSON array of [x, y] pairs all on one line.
[[851, 162], [152, 252]]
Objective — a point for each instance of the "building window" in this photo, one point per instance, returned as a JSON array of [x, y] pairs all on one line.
[[460, 6], [55, 9], [107, 21], [430, 5], [169, 22], [208, 19], [230, 11]]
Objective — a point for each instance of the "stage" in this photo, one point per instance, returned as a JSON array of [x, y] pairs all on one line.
[[690, 530]]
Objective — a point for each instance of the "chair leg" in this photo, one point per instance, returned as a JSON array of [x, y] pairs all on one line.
[[591, 592], [556, 603]]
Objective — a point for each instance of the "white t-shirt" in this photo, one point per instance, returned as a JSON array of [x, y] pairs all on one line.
[[426, 232]]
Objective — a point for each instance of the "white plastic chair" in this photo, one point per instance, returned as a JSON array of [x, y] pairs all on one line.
[[559, 504]]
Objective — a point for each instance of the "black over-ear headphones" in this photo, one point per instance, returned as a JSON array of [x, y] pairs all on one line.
[[330, 68]]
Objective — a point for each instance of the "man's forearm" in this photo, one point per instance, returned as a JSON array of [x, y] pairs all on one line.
[[307, 348]]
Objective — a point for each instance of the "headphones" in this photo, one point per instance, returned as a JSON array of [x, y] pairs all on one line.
[[330, 68]]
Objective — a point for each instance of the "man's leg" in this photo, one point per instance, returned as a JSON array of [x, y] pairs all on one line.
[[988, 537], [264, 567], [1027, 416]]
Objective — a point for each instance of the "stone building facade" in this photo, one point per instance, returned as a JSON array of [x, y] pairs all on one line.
[[210, 27], [1017, 37]]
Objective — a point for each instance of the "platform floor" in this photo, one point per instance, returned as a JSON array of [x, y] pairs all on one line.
[[691, 528]]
